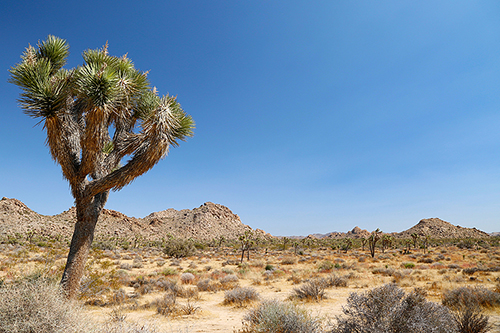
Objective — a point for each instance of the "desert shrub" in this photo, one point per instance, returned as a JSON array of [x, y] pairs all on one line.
[[169, 271], [179, 248], [125, 266], [388, 309], [471, 320], [229, 281], [38, 306], [257, 263], [326, 266], [470, 271], [276, 316], [334, 280], [208, 285], [289, 261], [166, 305], [170, 285], [240, 296], [313, 290], [187, 278], [470, 297], [426, 260], [408, 265], [269, 267], [137, 263]]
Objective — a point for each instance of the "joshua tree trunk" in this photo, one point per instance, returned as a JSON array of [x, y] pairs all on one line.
[[87, 213]]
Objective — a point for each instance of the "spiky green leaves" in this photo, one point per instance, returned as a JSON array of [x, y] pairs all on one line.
[[167, 122], [44, 93], [80, 105], [55, 50], [45, 85]]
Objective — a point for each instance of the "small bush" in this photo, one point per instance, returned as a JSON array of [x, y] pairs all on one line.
[[335, 281], [326, 266], [388, 309], [229, 281], [167, 305], [208, 285], [169, 271], [269, 267], [289, 261], [187, 278], [276, 316], [408, 265], [179, 248], [471, 320], [240, 296], [471, 297], [313, 290]]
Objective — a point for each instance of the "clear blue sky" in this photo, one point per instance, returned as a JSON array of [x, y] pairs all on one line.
[[311, 116]]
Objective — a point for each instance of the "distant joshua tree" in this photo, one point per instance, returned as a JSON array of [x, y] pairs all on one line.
[[386, 242], [96, 115], [415, 238], [246, 243], [372, 241]]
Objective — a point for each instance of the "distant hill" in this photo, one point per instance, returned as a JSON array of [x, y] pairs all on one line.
[[434, 227], [437, 228], [206, 222]]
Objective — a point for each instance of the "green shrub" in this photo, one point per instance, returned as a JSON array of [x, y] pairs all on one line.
[[313, 290], [326, 266], [388, 309], [240, 296], [269, 267], [277, 316], [179, 248], [409, 265]]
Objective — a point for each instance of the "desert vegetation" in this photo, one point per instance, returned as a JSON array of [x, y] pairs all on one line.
[[187, 285]]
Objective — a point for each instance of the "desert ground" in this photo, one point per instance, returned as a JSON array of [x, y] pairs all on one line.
[[193, 293]]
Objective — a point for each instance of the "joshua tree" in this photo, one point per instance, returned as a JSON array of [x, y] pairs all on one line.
[[372, 241], [96, 115], [386, 242], [363, 242], [425, 243], [347, 245], [415, 238], [246, 242], [285, 240]]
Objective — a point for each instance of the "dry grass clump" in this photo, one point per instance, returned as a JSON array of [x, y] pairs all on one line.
[[125, 327], [313, 290], [471, 297], [168, 306], [334, 280], [388, 309], [38, 306], [241, 296], [229, 282], [289, 261], [275, 316], [208, 285]]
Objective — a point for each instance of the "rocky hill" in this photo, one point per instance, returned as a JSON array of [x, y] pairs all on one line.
[[434, 227], [205, 223], [437, 228]]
